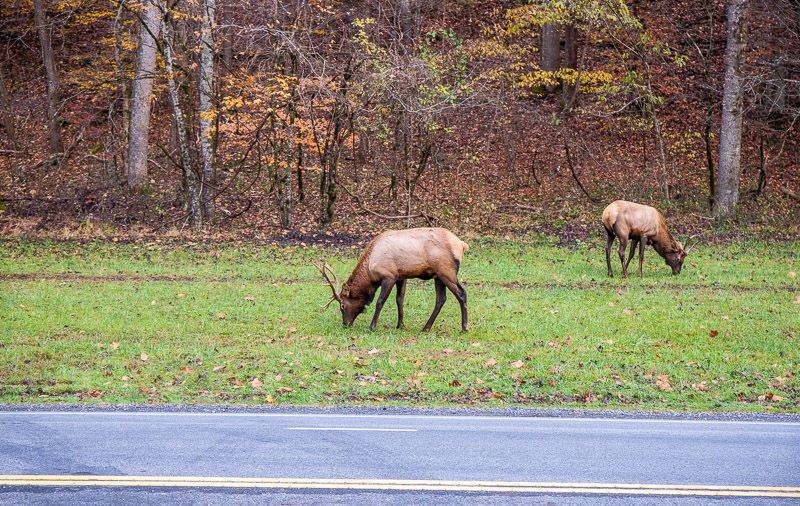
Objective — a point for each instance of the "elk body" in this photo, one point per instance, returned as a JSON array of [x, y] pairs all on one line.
[[642, 225], [393, 257]]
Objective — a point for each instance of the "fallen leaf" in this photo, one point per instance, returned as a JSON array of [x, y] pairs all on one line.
[[249, 298], [292, 329], [609, 341], [627, 311], [792, 274], [476, 345], [373, 351], [284, 318], [285, 389], [517, 364], [478, 381], [256, 383], [713, 333], [797, 300], [143, 356], [455, 383], [489, 363], [113, 346], [724, 317], [180, 295], [270, 400], [448, 350], [663, 383], [221, 316]]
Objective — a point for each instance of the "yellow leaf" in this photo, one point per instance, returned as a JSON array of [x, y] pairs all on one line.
[[270, 400]]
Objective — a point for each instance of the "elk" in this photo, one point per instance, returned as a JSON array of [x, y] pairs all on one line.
[[642, 224], [390, 259]]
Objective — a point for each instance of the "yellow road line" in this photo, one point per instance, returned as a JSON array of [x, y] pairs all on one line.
[[416, 485]]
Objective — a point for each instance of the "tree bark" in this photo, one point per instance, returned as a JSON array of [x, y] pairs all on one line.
[[184, 127], [406, 26], [53, 98], [551, 51], [570, 59], [207, 110], [7, 115], [142, 88], [730, 139]]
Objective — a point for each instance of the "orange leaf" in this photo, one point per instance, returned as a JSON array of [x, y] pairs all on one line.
[[663, 382]]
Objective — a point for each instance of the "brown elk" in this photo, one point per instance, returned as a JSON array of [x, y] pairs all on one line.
[[643, 225], [390, 259]]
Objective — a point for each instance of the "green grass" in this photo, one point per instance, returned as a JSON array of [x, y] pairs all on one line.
[[184, 322]]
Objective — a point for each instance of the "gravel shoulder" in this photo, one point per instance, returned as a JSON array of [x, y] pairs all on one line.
[[410, 411]]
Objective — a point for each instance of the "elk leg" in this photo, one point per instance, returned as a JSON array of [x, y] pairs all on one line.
[[623, 244], [609, 242], [441, 297], [642, 243], [399, 295], [461, 296], [634, 243], [386, 287]]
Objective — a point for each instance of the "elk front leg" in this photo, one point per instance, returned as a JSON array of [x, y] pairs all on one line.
[[441, 297], [399, 295], [386, 287]]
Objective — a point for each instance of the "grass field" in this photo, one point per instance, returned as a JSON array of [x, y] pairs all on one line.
[[192, 322]]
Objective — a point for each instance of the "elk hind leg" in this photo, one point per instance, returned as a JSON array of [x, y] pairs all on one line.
[[609, 241], [461, 296], [634, 243], [441, 297]]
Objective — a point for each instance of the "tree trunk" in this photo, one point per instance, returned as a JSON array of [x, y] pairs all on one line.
[[406, 26], [142, 88], [184, 127], [730, 139], [551, 51], [207, 110], [53, 98], [570, 60], [7, 115]]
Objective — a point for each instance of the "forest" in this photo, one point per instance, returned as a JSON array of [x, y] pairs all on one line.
[[308, 118]]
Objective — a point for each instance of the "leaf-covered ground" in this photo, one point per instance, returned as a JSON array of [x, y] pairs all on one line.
[[190, 322]]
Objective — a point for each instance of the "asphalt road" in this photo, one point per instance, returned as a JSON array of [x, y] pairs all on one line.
[[286, 458]]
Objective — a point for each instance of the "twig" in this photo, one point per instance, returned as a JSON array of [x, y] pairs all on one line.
[[710, 218], [790, 193]]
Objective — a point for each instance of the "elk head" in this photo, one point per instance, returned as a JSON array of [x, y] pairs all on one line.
[[676, 257], [350, 308]]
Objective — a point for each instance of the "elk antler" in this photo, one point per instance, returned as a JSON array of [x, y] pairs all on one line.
[[336, 289], [693, 245]]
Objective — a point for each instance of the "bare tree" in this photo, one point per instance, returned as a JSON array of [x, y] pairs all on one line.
[[142, 89], [207, 109], [730, 142], [53, 97]]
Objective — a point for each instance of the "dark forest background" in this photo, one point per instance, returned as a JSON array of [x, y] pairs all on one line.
[[343, 118]]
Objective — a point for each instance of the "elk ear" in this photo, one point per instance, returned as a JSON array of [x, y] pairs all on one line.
[[345, 290]]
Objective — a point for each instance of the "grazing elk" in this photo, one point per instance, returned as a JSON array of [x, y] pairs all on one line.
[[643, 225], [390, 259]]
